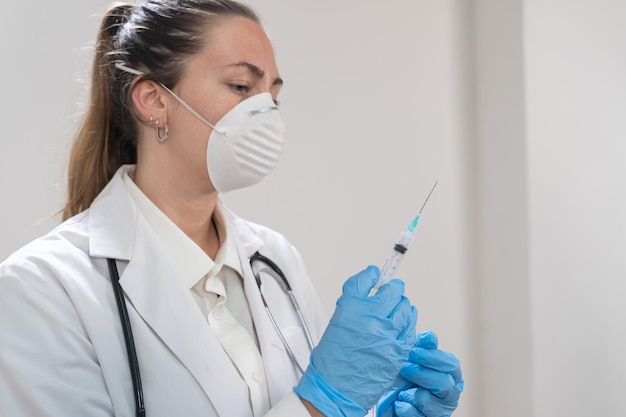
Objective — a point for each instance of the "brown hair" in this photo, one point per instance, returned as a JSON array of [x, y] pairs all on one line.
[[156, 37]]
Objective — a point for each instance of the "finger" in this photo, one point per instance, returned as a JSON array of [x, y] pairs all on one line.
[[390, 294], [403, 409], [408, 334], [436, 359], [402, 315], [361, 283], [459, 380], [427, 340], [408, 396], [430, 405], [384, 302], [405, 405], [441, 385]]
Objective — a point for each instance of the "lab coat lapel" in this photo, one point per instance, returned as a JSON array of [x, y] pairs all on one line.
[[158, 296], [153, 290], [278, 365]]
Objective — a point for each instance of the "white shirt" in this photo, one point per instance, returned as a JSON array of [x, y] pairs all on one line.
[[217, 288]]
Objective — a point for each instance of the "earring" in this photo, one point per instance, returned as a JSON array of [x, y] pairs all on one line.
[[166, 131]]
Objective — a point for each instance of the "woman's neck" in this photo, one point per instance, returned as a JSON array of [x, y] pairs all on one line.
[[190, 207]]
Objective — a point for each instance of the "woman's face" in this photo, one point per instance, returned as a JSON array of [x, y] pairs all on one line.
[[238, 62]]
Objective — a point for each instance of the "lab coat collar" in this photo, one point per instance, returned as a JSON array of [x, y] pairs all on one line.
[[113, 221], [246, 240]]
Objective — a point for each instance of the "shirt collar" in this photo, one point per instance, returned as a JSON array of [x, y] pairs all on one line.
[[227, 254]]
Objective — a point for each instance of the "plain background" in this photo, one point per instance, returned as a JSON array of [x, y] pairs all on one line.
[[516, 107]]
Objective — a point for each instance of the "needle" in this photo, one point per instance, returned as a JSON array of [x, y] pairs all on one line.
[[426, 201]]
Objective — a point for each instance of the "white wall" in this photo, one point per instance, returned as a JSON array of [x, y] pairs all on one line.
[[41, 44], [551, 168], [576, 159], [503, 337]]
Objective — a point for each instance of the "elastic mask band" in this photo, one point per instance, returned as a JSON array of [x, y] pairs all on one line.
[[121, 66]]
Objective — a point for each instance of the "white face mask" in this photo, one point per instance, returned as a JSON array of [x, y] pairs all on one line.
[[245, 144]]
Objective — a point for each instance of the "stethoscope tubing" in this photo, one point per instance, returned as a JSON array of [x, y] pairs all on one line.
[[133, 362], [284, 283]]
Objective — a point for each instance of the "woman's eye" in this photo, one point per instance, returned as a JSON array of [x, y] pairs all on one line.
[[240, 88]]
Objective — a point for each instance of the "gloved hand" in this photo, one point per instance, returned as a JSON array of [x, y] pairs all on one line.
[[434, 381], [363, 348]]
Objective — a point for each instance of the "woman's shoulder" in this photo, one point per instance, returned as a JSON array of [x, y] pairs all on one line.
[[46, 254]]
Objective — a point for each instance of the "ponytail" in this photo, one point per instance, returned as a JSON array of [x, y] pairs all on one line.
[[97, 153]]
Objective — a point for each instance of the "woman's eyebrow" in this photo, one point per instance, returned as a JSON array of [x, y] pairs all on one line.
[[255, 71]]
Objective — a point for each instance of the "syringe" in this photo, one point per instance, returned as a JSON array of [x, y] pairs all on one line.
[[399, 249]]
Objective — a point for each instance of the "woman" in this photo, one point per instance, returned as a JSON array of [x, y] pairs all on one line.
[[182, 109]]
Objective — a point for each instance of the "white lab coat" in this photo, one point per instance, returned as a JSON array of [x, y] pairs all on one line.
[[62, 351]]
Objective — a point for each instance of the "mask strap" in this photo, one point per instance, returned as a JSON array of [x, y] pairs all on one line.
[[123, 67], [120, 65]]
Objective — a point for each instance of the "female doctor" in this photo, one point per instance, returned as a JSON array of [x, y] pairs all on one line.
[[152, 298]]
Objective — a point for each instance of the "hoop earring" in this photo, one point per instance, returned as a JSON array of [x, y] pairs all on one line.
[[166, 132]]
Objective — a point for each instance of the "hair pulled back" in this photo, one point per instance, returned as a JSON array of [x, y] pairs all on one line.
[[156, 37]]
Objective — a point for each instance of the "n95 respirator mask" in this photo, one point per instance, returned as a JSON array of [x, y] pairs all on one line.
[[245, 144]]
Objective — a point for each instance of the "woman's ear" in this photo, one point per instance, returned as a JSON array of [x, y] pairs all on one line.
[[150, 102]]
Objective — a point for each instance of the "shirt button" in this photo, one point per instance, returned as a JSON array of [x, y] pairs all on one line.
[[256, 377], [217, 315]]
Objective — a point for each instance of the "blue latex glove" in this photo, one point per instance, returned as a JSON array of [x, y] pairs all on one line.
[[363, 348], [433, 382]]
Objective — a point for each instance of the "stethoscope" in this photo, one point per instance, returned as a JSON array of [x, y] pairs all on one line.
[[258, 264]]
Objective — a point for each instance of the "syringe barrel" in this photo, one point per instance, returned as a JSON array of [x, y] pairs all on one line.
[[388, 271], [391, 265]]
